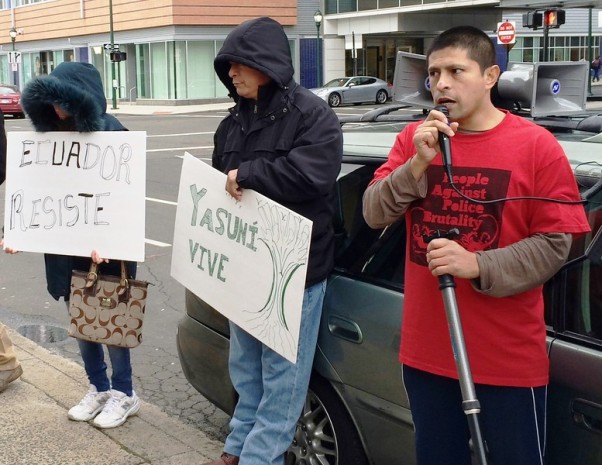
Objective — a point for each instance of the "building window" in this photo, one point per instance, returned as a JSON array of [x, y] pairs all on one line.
[[573, 48], [178, 70], [367, 5], [347, 6]]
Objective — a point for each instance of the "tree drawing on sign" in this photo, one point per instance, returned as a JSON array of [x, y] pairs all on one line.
[[287, 240]]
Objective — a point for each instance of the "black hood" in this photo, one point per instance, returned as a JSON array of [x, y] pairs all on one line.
[[77, 88], [260, 44]]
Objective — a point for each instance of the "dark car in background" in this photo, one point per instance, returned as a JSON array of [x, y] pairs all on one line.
[[356, 411], [10, 100], [354, 89]]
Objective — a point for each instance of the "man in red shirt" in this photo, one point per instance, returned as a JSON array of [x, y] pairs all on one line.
[[503, 254]]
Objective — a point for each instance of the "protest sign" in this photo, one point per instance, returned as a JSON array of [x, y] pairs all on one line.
[[247, 258], [68, 193]]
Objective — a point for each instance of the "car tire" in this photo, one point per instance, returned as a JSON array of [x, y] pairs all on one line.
[[382, 97], [325, 433], [334, 99]]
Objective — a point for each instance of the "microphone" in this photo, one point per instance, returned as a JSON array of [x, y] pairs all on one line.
[[445, 145]]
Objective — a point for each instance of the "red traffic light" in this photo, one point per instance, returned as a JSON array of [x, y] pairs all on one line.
[[553, 18]]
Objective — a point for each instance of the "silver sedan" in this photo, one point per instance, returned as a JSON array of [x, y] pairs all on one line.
[[355, 89]]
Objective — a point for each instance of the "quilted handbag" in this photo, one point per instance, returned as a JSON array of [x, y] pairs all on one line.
[[107, 309]]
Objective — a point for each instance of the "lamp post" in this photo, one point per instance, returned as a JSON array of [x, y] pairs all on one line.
[[112, 40], [318, 20], [13, 37]]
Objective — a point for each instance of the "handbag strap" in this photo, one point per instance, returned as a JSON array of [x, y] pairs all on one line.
[[92, 277], [124, 284]]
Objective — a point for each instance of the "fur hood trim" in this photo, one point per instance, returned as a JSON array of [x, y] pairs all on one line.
[[76, 88]]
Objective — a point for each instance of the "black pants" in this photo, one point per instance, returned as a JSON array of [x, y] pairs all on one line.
[[512, 421]]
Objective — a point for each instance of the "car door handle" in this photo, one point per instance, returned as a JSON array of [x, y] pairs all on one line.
[[587, 414], [345, 329]]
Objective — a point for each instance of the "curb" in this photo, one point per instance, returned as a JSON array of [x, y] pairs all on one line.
[[35, 429]]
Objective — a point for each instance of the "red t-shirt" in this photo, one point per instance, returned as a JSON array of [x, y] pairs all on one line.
[[505, 337]]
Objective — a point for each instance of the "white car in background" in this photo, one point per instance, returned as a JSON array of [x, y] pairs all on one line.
[[354, 89]]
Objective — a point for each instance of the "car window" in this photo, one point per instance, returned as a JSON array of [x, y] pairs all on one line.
[[336, 83], [372, 254], [7, 90], [579, 287], [369, 81]]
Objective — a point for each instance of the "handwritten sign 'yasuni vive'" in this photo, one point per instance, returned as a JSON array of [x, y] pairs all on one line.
[[247, 259], [69, 192]]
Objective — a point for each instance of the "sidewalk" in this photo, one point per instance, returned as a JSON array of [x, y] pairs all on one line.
[[134, 109], [35, 430]]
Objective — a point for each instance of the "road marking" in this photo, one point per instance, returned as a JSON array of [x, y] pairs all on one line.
[[208, 159], [183, 134], [180, 148], [151, 241], [166, 202], [157, 243]]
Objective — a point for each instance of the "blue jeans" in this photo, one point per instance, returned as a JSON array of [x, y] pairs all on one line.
[[94, 362], [93, 356], [271, 389]]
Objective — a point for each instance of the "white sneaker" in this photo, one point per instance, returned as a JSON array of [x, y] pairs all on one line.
[[117, 410], [92, 403]]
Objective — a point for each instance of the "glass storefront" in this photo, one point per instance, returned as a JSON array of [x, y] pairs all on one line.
[[171, 70], [378, 55], [33, 65], [183, 70]]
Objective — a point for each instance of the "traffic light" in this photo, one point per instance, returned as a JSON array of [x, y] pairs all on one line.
[[118, 56], [554, 18], [533, 19]]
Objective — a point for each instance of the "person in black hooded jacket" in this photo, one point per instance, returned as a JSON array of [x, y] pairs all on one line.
[[286, 143], [71, 98]]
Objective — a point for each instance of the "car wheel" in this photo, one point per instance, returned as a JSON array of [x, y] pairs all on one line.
[[381, 97], [334, 99], [325, 433]]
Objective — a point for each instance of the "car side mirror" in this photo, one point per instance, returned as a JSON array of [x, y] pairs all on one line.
[[351, 84]]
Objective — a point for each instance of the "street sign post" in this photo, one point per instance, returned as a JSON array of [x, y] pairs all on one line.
[[14, 57]]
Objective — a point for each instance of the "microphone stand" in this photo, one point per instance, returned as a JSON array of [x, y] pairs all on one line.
[[470, 404]]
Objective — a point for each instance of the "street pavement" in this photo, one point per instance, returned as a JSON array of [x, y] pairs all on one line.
[[34, 428], [142, 109]]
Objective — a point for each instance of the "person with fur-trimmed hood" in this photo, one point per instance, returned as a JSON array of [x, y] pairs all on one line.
[[286, 143], [71, 98]]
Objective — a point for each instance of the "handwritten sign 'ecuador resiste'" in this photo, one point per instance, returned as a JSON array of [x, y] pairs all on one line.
[[69, 192], [247, 259]]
